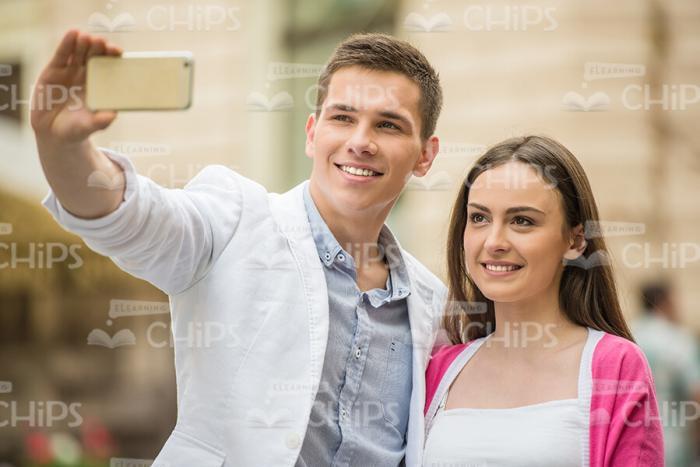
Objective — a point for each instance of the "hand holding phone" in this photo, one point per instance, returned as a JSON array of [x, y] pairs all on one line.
[[58, 112], [62, 124], [63, 120]]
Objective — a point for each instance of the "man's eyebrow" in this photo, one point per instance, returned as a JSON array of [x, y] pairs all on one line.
[[395, 116], [342, 107], [513, 210]]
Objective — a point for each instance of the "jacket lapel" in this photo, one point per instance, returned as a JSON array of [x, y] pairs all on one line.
[[421, 306], [289, 212]]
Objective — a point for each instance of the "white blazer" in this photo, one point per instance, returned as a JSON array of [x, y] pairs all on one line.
[[233, 257]]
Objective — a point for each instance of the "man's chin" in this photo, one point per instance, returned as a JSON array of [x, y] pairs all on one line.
[[352, 203]]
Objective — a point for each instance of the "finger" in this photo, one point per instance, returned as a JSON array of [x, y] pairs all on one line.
[[97, 47], [81, 48], [113, 50], [65, 49], [103, 118]]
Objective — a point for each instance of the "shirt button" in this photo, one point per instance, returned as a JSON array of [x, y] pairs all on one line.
[[293, 441], [341, 257], [358, 352], [327, 256], [343, 413]]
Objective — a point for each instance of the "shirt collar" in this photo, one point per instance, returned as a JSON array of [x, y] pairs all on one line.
[[329, 249], [326, 244]]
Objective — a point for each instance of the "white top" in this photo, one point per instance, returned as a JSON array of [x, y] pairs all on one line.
[[552, 433]]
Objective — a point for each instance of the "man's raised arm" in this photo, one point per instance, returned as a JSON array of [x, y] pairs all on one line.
[[63, 128], [169, 237]]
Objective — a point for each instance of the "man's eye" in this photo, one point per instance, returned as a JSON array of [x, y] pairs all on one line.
[[389, 125], [342, 118]]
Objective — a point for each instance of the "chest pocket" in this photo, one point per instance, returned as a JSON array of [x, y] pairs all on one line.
[[397, 385]]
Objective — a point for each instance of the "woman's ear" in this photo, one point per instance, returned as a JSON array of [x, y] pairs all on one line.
[[577, 243]]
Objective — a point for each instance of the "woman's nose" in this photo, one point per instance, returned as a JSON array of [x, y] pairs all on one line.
[[497, 240]]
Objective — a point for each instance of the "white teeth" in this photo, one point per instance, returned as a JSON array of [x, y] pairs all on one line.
[[357, 171], [498, 268]]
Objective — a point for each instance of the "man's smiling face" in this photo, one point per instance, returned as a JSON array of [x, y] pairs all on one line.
[[366, 142]]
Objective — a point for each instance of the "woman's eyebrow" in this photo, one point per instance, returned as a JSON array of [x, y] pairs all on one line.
[[513, 210]]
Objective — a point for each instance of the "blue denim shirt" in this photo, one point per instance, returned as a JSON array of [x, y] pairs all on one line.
[[360, 415]]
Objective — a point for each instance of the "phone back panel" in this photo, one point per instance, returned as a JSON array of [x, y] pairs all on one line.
[[140, 81]]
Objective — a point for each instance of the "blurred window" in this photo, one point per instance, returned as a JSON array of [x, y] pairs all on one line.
[[14, 317], [11, 91]]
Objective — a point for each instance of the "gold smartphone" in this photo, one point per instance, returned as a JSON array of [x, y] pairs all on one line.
[[140, 81]]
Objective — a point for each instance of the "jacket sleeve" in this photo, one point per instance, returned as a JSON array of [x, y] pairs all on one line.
[[168, 237], [626, 428]]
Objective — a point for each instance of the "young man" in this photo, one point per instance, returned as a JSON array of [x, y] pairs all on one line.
[[329, 323]]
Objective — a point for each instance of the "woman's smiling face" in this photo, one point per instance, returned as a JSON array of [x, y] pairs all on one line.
[[514, 239]]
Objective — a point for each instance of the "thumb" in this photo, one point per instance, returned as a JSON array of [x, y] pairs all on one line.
[[102, 119]]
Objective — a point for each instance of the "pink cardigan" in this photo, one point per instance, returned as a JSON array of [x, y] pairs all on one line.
[[625, 428]]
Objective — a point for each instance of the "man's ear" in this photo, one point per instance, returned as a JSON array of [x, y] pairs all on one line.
[[430, 150], [577, 243], [310, 135]]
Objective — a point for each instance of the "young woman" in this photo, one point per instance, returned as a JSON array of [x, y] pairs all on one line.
[[543, 370]]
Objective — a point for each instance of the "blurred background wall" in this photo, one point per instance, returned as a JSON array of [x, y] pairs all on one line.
[[618, 83]]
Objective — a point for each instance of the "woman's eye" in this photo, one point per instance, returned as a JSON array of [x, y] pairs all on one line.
[[389, 125], [524, 221], [477, 218]]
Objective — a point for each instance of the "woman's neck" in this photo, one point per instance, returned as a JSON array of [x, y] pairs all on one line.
[[533, 326]]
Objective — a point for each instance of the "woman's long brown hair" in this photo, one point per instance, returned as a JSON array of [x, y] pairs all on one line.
[[587, 292]]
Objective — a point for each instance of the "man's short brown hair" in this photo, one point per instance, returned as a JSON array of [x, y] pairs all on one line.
[[385, 53]]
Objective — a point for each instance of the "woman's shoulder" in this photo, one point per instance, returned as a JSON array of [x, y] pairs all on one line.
[[617, 356], [440, 361], [444, 355]]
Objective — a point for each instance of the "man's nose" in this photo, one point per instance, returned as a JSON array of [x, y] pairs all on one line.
[[361, 142]]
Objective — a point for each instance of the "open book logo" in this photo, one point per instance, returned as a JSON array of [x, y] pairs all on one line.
[[575, 102], [259, 418], [431, 182], [268, 262], [5, 387], [99, 22], [99, 179], [439, 22], [259, 102], [595, 259], [119, 339], [270, 254], [425, 291], [600, 417]]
